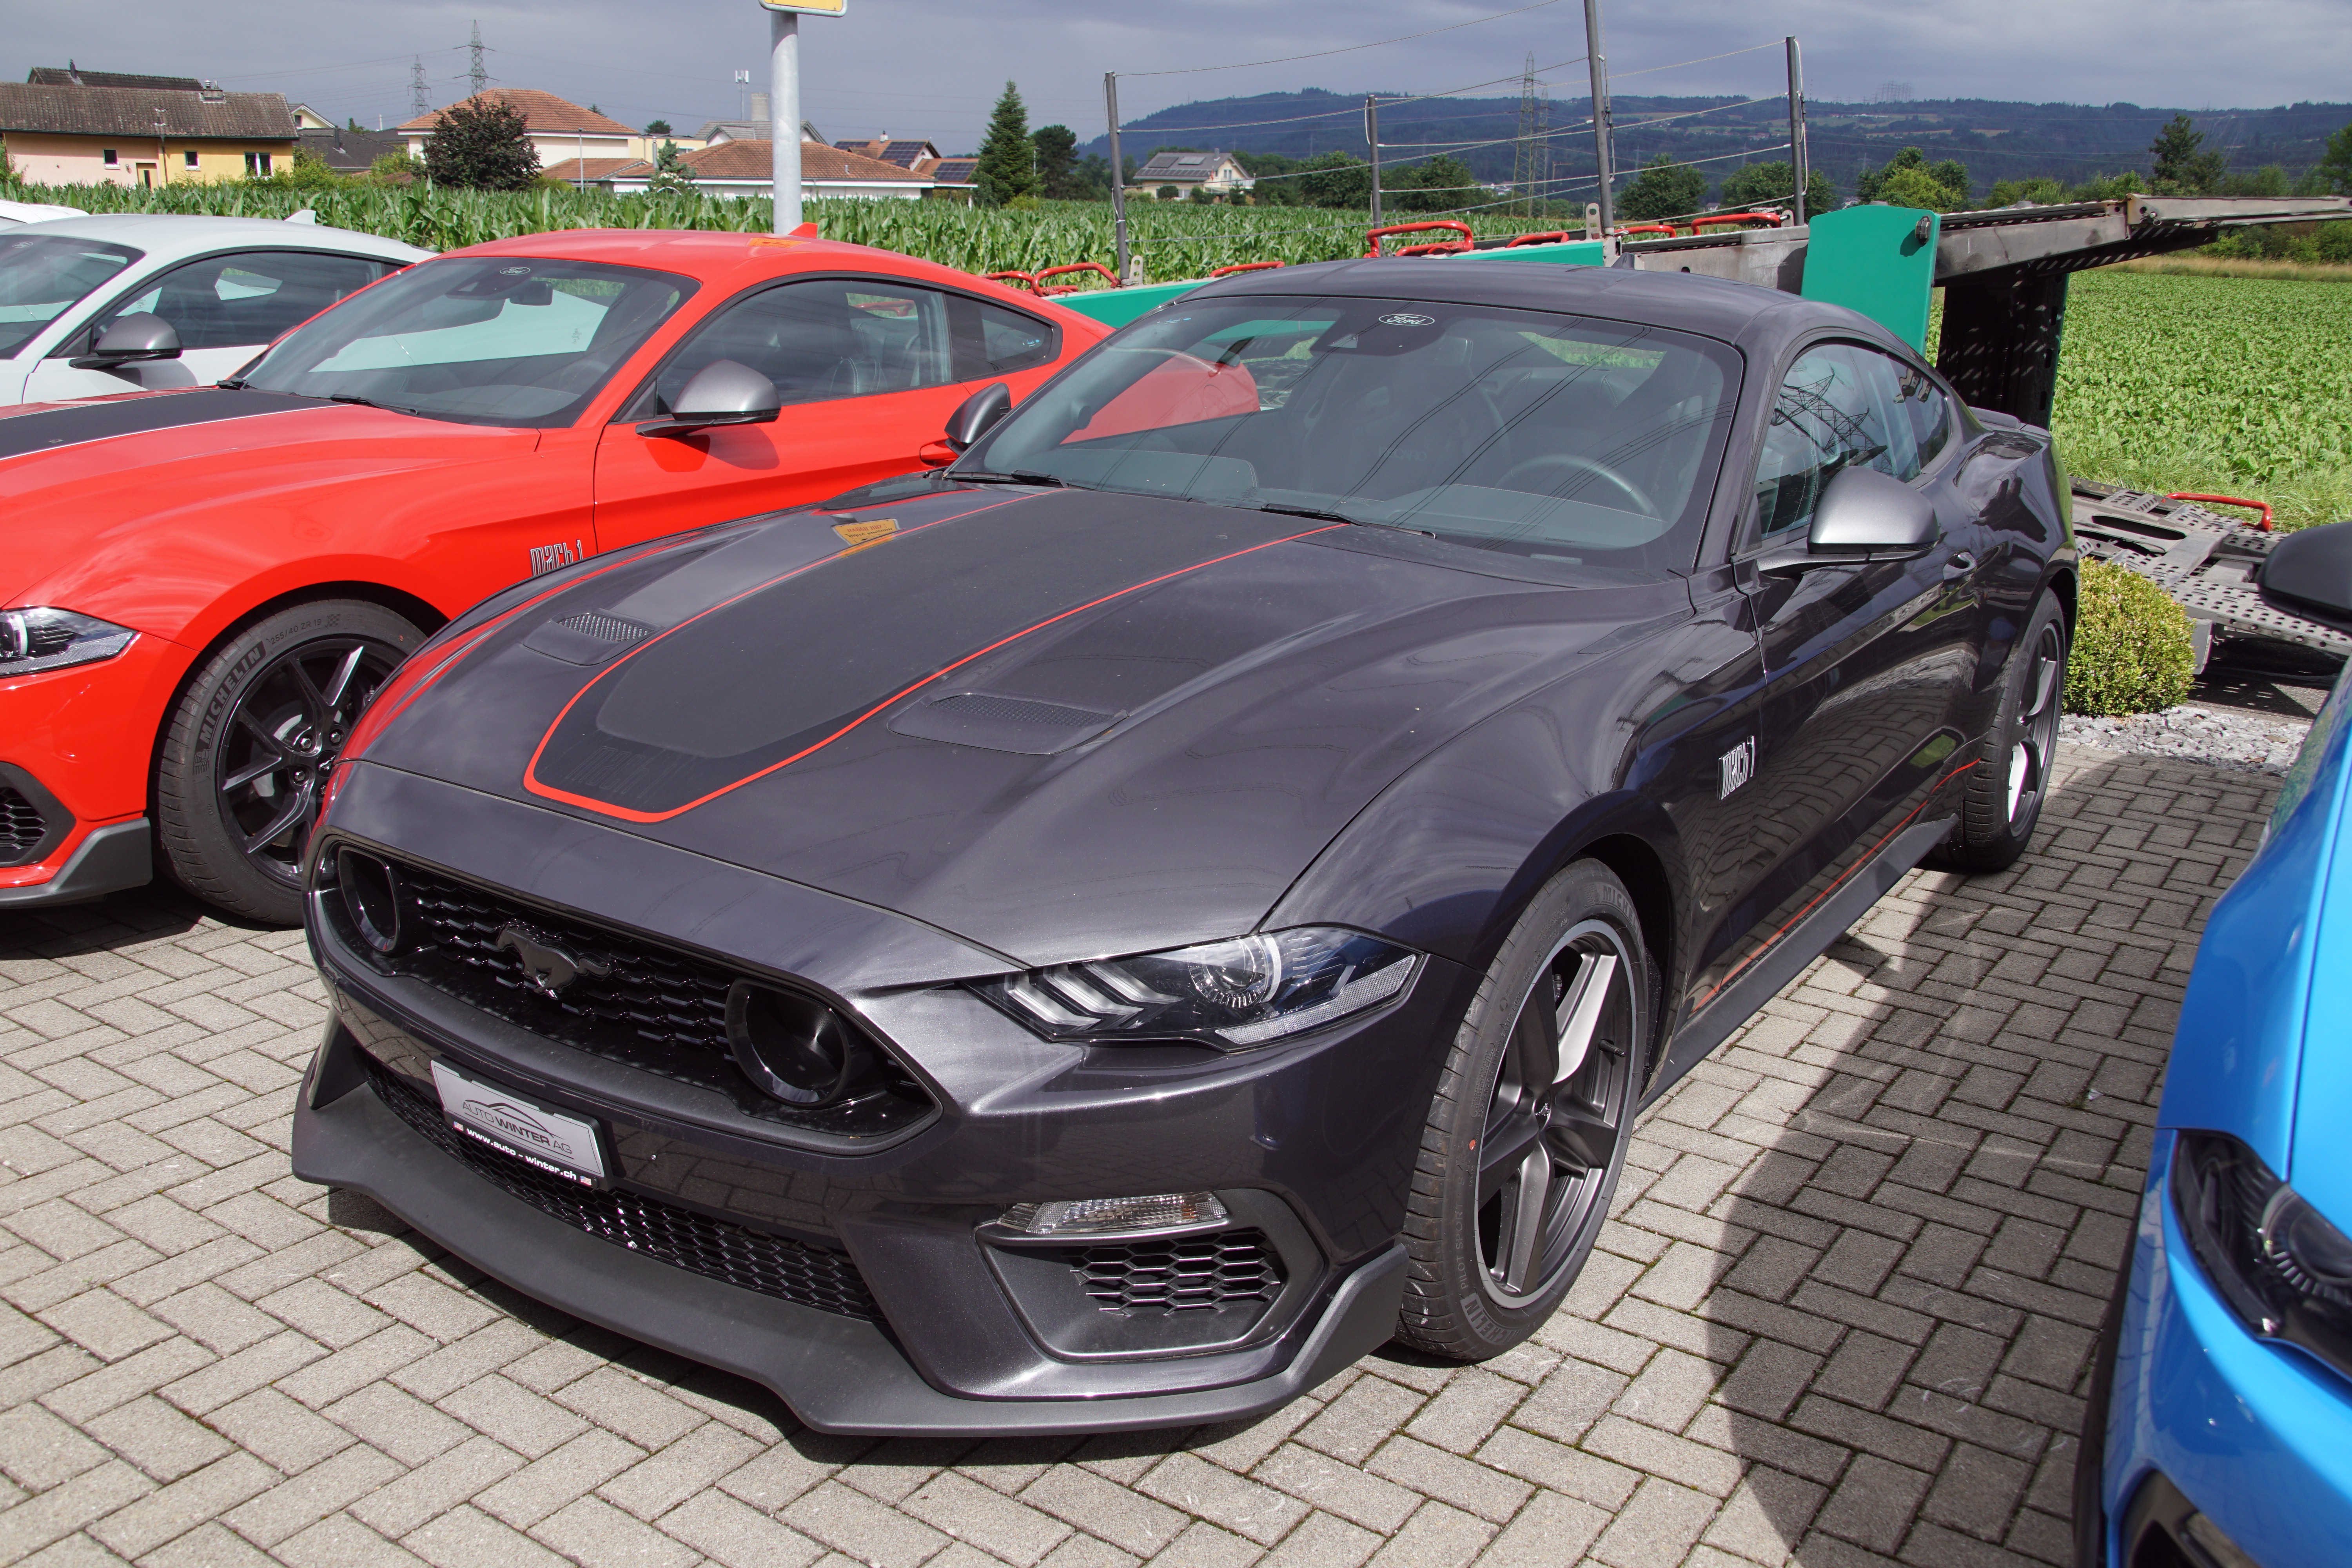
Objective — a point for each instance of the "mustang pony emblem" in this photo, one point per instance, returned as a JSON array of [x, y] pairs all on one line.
[[549, 968]]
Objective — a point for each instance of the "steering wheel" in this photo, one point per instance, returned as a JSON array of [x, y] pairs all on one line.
[[1632, 491]]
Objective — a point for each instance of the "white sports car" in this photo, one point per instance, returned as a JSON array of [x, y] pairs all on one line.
[[135, 302]]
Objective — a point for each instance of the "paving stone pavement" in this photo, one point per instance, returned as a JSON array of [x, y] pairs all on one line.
[[1843, 1313]]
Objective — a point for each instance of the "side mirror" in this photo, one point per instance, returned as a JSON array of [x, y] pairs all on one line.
[[1864, 515], [141, 335], [978, 413], [2309, 573], [723, 391]]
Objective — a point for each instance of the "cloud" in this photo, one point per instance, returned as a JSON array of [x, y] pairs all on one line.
[[929, 68]]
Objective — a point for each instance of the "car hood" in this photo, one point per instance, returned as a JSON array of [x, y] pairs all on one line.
[[78, 481], [1060, 724]]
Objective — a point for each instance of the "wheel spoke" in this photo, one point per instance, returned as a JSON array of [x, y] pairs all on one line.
[[1502, 1148], [1526, 1208], [1535, 1043], [314, 701], [1580, 1136], [1578, 1014], [254, 727], [345, 672], [252, 771], [297, 807], [2045, 682]]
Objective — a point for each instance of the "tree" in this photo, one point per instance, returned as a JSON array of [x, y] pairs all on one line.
[[2334, 170], [481, 145], [1090, 179], [1953, 176], [1865, 186], [1268, 169], [396, 168], [2180, 164], [1766, 183], [1007, 170], [1662, 190], [2039, 189], [308, 171], [1914, 188], [1908, 180], [1056, 148], [1338, 180], [1439, 186], [670, 175], [656, 127]]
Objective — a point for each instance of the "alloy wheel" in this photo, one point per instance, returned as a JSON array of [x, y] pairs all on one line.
[[2037, 725], [1561, 1101], [279, 748]]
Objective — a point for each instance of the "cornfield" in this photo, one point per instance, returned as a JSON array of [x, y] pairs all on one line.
[[1175, 239]]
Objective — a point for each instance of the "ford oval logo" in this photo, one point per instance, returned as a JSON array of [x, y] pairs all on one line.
[[514, 271], [1403, 319]]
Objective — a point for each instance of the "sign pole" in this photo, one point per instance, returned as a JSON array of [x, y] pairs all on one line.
[[784, 115], [1118, 175], [1796, 160]]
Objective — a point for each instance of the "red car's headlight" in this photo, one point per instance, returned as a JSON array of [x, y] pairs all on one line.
[[39, 637]]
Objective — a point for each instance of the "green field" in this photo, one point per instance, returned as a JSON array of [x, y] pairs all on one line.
[[2167, 382]]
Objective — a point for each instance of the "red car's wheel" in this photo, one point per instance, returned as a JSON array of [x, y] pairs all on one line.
[[253, 741]]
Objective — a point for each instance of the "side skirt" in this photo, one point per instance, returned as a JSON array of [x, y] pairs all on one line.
[[1806, 941]]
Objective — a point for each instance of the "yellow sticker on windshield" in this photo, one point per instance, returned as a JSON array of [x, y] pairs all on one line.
[[873, 531]]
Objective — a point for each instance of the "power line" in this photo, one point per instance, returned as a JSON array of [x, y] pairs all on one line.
[[1351, 48], [1703, 59], [1141, 126]]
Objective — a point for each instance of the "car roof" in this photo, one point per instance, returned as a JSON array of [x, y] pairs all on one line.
[[1711, 307], [166, 236]]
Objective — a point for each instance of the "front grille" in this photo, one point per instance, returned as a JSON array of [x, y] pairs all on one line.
[[632, 1002], [1180, 1275], [771, 1265], [22, 826]]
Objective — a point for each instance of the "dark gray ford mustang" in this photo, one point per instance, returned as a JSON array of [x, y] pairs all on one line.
[[1102, 935]]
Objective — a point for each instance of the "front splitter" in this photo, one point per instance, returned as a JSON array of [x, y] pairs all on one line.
[[837, 1374]]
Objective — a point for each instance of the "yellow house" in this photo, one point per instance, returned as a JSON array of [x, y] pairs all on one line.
[[71, 127], [562, 132]]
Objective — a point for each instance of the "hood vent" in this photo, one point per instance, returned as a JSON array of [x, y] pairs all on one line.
[[591, 637], [999, 723]]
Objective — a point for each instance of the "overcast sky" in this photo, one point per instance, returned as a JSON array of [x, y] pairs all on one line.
[[931, 68]]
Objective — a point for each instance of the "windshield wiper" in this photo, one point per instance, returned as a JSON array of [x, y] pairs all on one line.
[[1018, 476], [367, 403], [1330, 515]]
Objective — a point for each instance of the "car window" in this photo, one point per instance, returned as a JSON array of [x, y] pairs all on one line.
[[1930, 412], [41, 276], [824, 339], [492, 339], [1840, 405], [1532, 432], [245, 299], [1008, 340]]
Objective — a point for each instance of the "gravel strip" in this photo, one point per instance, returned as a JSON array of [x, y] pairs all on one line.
[[2241, 742]]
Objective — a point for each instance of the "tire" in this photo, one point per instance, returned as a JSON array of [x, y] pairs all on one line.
[[1508, 1135], [2004, 792], [251, 742]]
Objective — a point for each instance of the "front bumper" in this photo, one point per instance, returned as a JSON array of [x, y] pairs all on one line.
[[2257, 1436], [837, 1374]]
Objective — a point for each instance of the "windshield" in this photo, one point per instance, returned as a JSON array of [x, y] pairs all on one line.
[[497, 339], [43, 274], [1553, 436]]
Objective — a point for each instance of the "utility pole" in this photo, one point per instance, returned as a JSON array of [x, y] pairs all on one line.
[[1797, 161], [420, 95], [1598, 56], [784, 115], [1117, 176], [1373, 136], [480, 76], [1523, 174]]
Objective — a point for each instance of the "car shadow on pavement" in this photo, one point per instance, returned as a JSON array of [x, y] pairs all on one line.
[[1872, 1236]]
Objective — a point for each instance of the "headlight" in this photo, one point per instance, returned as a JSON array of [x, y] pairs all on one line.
[[32, 641], [1247, 990], [2285, 1270]]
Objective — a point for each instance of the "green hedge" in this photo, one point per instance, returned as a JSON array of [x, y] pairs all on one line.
[[2132, 652]]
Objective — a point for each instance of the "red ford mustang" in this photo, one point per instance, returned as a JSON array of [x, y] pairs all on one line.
[[199, 589]]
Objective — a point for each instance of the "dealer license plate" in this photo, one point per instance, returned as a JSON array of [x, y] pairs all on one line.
[[568, 1147]]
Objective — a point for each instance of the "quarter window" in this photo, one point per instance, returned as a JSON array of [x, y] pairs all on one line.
[[1842, 406], [246, 299]]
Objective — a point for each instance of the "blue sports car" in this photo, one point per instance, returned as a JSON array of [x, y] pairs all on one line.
[[2219, 1433]]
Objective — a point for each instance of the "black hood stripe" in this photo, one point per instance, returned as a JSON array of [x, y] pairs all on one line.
[[702, 710], [77, 424]]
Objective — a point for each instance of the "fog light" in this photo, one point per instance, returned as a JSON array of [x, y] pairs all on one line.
[[373, 897], [1108, 1216], [795, 1047]]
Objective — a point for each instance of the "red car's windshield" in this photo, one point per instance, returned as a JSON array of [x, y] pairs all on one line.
[[492, 339]]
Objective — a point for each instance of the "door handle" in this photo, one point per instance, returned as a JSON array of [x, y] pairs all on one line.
[[1959, 565]]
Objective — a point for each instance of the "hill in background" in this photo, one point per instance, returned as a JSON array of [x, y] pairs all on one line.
[[1996, 140]]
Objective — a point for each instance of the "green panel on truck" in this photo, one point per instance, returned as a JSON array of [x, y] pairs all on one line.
[[1116, 307], [1879, 260], [1562, 253]]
